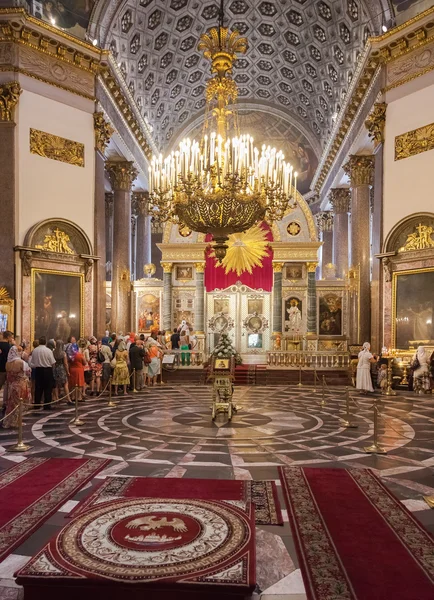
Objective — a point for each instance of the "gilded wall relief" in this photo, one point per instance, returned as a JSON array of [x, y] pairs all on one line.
[[414, 142], [55, 147]]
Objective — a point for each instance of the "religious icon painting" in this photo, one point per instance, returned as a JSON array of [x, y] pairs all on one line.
[[413, 307], [148, 311], [293, 315], [184, 273], [330, 315], [255, 306], [221, 364], [294, 271], [221, 305]]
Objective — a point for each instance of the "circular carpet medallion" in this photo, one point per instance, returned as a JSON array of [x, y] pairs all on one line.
[[143, 539]]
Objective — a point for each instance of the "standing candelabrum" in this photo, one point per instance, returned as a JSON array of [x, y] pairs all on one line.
[[404, 365], [389, 391]]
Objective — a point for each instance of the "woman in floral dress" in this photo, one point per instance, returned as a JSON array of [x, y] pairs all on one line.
[[95, 367], [17, 375], [121, 374]]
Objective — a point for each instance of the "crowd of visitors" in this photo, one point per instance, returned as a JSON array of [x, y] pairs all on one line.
[[51, 370]]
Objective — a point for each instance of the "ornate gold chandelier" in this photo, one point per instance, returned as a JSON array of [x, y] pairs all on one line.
[[222, 184]]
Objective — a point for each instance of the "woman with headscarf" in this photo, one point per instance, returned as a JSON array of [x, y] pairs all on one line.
[[155, 354], [17, 376], [421, 382], [121, 374], [364, 379], [61, 370]]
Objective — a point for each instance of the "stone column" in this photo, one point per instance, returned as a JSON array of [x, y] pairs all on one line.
[[199, 316], [133, 245], [140, 207], [324, 222], [122, 175], [166, 322], [9, 95], [109, 235], [360, 171], [311, 299], [103, 132], [340, 201], [277, 298]]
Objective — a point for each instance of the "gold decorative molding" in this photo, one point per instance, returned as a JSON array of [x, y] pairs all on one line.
[[375, 123], [278, 267], [295, 251], [200, 267], [360, 169], [311, 267], [4, 294], [414, 142], [140, 202], [177, 253], [103, 131], [293, 228], [340, 199], [324, 220], [167, 267], [121, 174], [9, 95], [419, 239], [55, 147], [57, 241]]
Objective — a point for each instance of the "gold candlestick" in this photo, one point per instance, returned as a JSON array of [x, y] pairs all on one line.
[[389, 391]]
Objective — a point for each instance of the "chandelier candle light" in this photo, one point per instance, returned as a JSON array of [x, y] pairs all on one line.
[[222, 184]]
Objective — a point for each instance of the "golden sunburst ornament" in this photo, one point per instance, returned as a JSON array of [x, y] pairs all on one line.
[[245, 251]]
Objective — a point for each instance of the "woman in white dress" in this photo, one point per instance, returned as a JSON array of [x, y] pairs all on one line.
[[421, 382], [364, 380]]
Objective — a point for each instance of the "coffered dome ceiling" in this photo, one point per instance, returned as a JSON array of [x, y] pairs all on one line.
[[300, 62]]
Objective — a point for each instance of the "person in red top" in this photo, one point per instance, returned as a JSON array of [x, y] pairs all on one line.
[[76, 374]]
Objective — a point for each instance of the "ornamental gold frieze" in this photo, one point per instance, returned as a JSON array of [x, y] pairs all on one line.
[[183, 252], [414, 142], [103, 131], [55, 147], [375, 123], [287, 251], [9, 95]]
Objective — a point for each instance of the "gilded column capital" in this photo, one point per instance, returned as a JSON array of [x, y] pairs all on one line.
[[375, 123], [200, 267], [140, 203], [9, 96], [103, 131], [324, 220], [360, 169], [278, 267], [340, 200], [109, 204], [311, 267], [167, 267], [122, 174]]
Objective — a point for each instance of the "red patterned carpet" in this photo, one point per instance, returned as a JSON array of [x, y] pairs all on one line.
[[263, 494], [145, 548], [354, 539], [34, 489]]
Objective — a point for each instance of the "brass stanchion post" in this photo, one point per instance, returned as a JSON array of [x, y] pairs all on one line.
[[323, 400], [111, 404], [314, 380], [76, 420], [20, 446], [346, 422], [375, 448], [299, 384], [161, 372], [134, 381]]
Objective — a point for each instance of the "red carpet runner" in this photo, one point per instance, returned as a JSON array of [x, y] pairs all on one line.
[[263, 494], [354, 539], [34, 489]]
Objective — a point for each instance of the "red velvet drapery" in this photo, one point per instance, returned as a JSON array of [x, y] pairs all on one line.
[[261, 277]]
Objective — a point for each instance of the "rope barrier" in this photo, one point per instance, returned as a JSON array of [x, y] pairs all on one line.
[[11, 413]]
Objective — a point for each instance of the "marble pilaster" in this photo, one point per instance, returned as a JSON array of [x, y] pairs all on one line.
[[340, 201], [311, 299], [109, 234], [140, 207], [122, 175], [9, 96], [277, 298], [360, 171], [167, 296], [199, 312], [324, 222]]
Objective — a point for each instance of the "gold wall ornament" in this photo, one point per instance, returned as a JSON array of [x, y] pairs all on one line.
[[293, 228], [311, 267], [414, 142], [55, 147], [9, 96], [4, 294], [360, 169], [149, 269], [245, 251], [125, 279], [57, 241], [103, 131], [278, 267], [375, 123], [324, 220], [167, 267], [340, 199], [200, 267], [121, 174], [420, 239]]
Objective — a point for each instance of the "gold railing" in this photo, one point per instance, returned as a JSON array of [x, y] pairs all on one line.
[[313, 360]]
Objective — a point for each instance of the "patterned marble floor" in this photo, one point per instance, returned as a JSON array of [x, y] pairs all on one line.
[[167, 432]]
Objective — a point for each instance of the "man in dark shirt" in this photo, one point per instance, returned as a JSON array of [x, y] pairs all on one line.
[[174, 339], [137, 354], [5, 345]]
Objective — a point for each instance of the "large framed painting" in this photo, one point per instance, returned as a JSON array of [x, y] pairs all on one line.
[[330, 315], [412, 308], [57, 304], [148, 312]]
